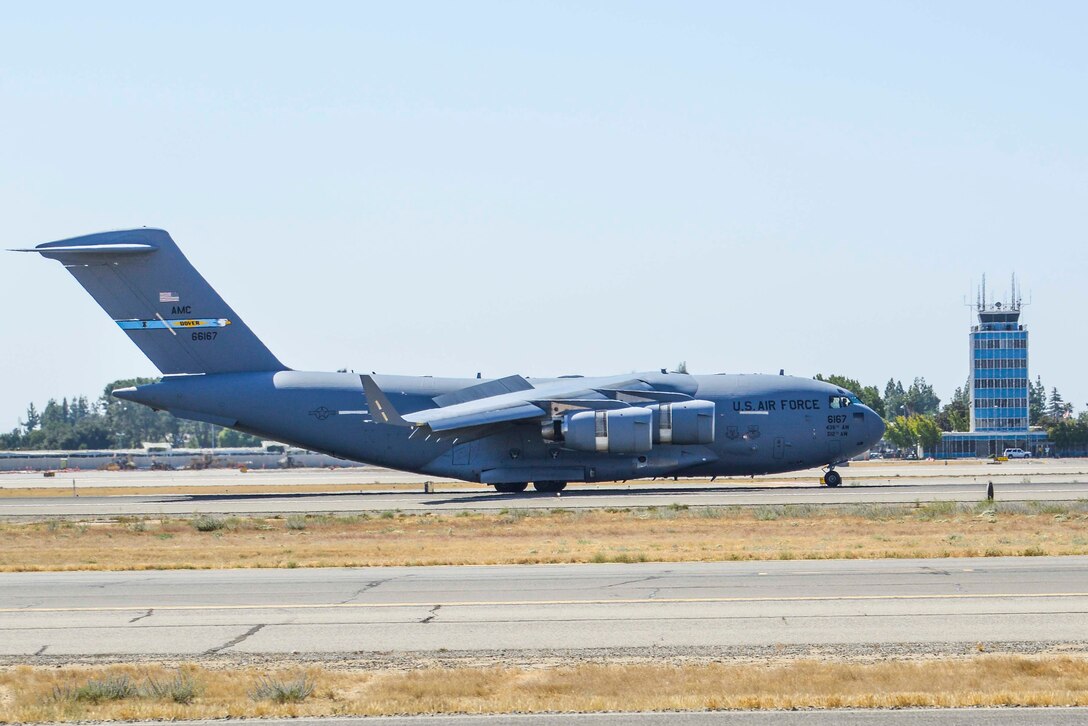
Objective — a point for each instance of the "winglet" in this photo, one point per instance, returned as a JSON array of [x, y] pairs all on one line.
[[381, 410]]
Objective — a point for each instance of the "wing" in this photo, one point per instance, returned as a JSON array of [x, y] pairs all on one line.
[[480, 409]]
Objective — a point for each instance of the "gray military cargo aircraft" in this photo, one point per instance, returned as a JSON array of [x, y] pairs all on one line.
[[505, 432]]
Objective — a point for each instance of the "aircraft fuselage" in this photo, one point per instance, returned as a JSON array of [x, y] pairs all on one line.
[[507, 431], [763, 424]]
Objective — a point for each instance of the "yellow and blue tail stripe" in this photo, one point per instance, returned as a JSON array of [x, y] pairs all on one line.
[[161, 324]]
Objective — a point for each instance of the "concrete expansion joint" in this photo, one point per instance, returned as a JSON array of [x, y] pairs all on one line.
[[430, 616], [235, 641], [368, 586], [141, 617], [634, 582]]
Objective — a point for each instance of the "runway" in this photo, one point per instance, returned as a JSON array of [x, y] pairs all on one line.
[[270, 492], [642, 495], [665, 608], [970, 471]]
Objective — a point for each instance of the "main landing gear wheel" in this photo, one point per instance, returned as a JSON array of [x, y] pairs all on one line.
[[832, 478], [549, 487], [513, 488]]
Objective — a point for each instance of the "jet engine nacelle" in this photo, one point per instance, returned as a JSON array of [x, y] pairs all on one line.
[[687, 422], [619, 431]]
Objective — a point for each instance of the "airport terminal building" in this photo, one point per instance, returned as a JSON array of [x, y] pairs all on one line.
[[998, 347]]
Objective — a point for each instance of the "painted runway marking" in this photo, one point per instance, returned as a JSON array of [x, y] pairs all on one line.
[[508, 603]]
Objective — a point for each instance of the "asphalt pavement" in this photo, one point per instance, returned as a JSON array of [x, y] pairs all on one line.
[[236, 492], [839, 604], [707, 495]]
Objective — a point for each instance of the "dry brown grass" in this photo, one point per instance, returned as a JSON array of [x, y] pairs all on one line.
[[46, 694], [557, 536]]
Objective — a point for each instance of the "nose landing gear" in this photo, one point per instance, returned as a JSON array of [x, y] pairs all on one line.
[[832, 478]]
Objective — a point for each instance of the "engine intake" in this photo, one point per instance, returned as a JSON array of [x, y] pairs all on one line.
[[619, 431], [687, 422]]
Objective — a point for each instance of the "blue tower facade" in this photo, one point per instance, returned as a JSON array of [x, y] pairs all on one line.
[[999, 369], [1000, 417]]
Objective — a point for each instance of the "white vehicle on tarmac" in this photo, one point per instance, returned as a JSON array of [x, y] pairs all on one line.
[[1017, 454]]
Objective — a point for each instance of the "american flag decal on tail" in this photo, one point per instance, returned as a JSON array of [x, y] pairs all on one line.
[[169, 297]]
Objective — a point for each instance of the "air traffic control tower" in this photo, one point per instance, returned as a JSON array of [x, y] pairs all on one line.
[[998, 383]]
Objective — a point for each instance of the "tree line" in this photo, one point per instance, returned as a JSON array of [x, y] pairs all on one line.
[[110, 423], [914, 414]]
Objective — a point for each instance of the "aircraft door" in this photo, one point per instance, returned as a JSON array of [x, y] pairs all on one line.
[[779, 447], [462, 455]]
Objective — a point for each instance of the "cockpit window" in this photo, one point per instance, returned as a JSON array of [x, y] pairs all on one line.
[[840, 401]]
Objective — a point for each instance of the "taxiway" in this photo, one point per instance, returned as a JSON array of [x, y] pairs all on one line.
[[798, 605]]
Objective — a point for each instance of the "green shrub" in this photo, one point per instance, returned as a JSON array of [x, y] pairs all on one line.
[[935, 510], [282, 690], [207, 523], [110, 688], [179, 689]]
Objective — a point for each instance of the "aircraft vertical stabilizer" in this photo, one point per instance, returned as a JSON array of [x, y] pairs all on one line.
[[153, 293]]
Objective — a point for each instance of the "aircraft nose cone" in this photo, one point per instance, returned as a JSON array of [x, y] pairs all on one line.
[[876, 427]]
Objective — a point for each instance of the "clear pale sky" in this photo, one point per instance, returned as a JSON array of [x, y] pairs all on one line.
[[550, 188]]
